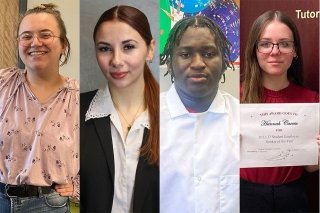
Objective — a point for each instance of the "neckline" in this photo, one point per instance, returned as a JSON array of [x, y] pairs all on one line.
[[278, 93], [65, 85]]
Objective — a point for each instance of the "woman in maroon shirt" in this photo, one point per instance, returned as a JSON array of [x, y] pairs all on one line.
[[273, 68]]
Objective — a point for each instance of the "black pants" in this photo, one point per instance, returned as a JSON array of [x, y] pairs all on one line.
[[290, 197]]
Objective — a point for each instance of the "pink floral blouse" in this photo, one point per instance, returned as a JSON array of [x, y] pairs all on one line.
[[39, 142]]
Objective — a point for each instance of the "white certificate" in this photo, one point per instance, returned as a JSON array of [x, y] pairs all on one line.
[[278, 134]]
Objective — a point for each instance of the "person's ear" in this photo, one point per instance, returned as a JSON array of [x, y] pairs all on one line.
[[151, 50], [170, 69], [225, 63], [295, 55], [169, 66], [64, 45]]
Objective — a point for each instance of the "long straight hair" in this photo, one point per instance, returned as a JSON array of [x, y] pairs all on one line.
[[138, 21], [253, 88]]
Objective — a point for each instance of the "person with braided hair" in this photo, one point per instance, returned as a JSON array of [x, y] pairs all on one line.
[[199, 124], [39, 120]]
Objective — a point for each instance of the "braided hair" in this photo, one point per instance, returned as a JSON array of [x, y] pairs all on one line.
[[181, 26]]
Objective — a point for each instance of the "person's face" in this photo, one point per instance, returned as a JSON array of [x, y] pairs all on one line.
[[121, 53], [275, 63], [40, 54], [196, 63]]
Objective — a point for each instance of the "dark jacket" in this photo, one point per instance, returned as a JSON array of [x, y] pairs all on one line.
[[97, 167]]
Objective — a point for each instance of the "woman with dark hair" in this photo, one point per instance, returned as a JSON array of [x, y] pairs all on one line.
[[39, 119], [273, 74], [120, 123]]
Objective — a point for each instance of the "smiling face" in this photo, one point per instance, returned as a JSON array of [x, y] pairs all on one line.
[[121, 53], [275, 63], [41, 55], [196, 64]]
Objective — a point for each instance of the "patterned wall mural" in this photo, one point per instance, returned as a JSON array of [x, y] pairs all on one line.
[[223, 12]]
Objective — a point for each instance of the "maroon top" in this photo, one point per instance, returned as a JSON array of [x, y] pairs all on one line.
[[279, 175]]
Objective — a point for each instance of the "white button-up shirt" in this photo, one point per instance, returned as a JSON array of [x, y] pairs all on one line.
[[199, 155], [126, 150]]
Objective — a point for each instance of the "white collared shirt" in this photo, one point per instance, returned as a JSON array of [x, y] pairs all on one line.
[[125, 150], [199, 155]]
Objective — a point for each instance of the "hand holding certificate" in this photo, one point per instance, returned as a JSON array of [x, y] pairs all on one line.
[[279, 135]]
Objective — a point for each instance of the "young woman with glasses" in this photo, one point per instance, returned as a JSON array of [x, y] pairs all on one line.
[[39, 120], [273, 74]]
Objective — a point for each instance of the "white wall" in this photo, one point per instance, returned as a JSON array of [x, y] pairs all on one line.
[[70, 12]]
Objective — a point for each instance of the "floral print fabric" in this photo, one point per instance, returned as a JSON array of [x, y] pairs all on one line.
[[39, 142]]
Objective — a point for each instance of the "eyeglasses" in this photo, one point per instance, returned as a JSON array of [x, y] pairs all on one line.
[[25, 39], [267, 46]]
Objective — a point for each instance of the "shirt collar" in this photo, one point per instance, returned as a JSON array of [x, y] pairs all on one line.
[[102, 106], [176, 107]]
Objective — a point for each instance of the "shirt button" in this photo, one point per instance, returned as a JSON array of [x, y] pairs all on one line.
[[122, 180], [197, 180]]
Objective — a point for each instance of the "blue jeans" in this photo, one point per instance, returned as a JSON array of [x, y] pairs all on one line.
[[52, 202]]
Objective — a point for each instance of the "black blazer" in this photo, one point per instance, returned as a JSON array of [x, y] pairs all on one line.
[[97, 167]]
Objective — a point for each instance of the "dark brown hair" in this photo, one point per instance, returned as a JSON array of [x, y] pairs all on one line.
[[253, 88], [51, 9], [138, 21]]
